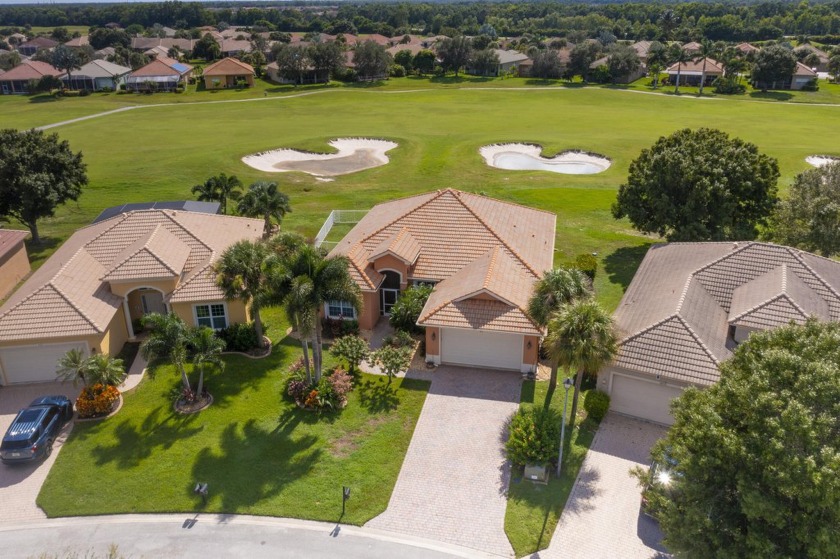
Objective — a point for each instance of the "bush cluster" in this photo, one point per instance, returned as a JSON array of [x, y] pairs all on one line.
[[587, 264], [239, 337], [398, 339], [596, 404], [729, 86], [406, 311], [96, 400], [328, 393], [534, 436], [336, 327]]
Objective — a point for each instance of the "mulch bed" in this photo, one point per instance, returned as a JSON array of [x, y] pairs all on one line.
[[195, 406]]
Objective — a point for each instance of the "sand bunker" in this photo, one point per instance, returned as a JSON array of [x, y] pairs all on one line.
[[354, 154], [821, 160], [527, 157]]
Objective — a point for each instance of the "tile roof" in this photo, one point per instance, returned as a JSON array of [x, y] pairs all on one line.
[[802, 70], [401, 244], [67, 296], [31, 70], [40, 42], [675, 315], [228, 67], [10, 239], [696, 66], [232, 45], [746, 48], [510, 56], [156, 67], [79, 41], [101, 69]]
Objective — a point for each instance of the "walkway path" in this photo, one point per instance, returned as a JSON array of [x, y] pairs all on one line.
[[453, 483], [602, 518]]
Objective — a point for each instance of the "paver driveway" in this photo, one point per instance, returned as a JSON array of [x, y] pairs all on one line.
[[602, 517], [453, 483], [20, 484]]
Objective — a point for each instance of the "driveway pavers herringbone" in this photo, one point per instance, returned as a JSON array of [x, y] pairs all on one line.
[[453, 483], [602, 518]]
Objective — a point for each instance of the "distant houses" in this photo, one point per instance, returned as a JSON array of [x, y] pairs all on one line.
[[96, 75], [228, 72], [161, 74], [692, 72], [19, 79]]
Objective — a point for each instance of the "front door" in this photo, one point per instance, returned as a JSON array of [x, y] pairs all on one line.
[[389, 298], [152, 302], [389, 292]]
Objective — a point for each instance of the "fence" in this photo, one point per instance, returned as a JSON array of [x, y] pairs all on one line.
[[336, 216]]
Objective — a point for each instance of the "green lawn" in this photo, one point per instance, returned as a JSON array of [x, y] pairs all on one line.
[[533, 509], [259, 453]]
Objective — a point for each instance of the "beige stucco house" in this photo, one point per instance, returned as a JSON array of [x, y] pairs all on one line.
[[483, 257], [690, 304], [14, 262], [92, 291], [228, 72]]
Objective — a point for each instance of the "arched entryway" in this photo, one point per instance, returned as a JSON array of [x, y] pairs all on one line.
[[138, 303], [389, 291]]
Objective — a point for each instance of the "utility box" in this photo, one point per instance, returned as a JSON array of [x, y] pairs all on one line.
[[537, 473]]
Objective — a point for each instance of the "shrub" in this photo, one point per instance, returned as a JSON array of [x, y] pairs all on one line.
[[337, 327], [106, 89], [392, 360], [587, 264], [330, 392], [71, 93], [406, 310], [812, 85], [84, 93], [729, 86], [348, 75], [397, 71], [352, 349], [96, 400], [534, 434], [596, 404], [239, 337], [601, 74], [122, 87]]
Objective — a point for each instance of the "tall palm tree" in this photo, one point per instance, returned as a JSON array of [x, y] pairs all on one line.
[[207, 349], [657, 58], [73, 366], [263, 199], [240, 272], [219, 189], [557, 287], [680, 56], [668, 20], [308, 279], [582, 336], [707, 50], [168, 338]]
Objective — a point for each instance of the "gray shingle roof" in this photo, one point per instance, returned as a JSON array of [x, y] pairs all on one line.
[[676, 313]]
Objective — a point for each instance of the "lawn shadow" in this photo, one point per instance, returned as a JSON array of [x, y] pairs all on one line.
[[40, 251], [622, 263], [242, 373], [161, 429], [771, 95], [43, 98], [377, 396], [252, 464]]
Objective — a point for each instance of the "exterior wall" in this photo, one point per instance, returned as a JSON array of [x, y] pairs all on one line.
[[370, 310], [226, 81], [14, 86], [237, 311], [115, 336], [530, 355], [164, 286], [433, 345], [14, 266], [742, 333], [388, 262]]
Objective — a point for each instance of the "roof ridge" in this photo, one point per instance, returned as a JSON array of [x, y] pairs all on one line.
[[495, 234], [192, 277], [72, 304], [797, 255], [494, 252], [764, 304], [684, 293], [187, 231], [648, 328], [704, 267], [402, 216], [697, 339]]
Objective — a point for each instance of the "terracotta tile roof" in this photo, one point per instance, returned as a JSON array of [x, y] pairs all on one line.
[[162, 66], [232, 45], [80, 41], [746, 48], [483, 314], [802, 70], [675, 314], [10, 239], [67, 296], [40, 42], [401, 244], [642, 48], [31, 70], [228, 67], [713, 67]]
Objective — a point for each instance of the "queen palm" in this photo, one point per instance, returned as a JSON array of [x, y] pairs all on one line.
[[680, 56], [557, 287], [657, 57], [207, 349], [240, 272], [104, 369], [582, 337], [707, 50], [168, 338], [263, 199], [219, 189]]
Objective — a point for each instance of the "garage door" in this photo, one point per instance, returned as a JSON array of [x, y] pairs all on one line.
[[642, 398], [481, 349], [34, 363]]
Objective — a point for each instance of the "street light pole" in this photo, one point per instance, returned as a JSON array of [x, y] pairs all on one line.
[[567, 384]]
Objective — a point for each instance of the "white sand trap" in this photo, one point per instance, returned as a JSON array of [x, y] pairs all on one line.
[[354, 154], [528, 157], [821, 160]]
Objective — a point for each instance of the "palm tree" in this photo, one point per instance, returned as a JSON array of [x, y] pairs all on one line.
[[707, 50], [582, 336], [264, 200], [220, 189], [680, 56], [657, 57], [168, 338], [104, 369], [207, 349], [73, 366], [668, 20], [240, 272], [557, 287], [305, 280]]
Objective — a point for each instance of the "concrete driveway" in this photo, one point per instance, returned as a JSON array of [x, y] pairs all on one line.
[[20, 484], [453, 483], [602, 518]]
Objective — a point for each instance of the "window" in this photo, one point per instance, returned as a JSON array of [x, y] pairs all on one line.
[[340, 309], [213, 316]]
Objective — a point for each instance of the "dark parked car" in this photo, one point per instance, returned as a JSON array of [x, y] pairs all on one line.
[[32, 433], [659, 485]]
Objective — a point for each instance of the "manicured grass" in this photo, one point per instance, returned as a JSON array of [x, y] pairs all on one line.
[[259, 453], [533, 510]]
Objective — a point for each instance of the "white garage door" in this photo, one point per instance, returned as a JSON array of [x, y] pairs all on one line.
[[642, 398], [481, 349], [34, 363]]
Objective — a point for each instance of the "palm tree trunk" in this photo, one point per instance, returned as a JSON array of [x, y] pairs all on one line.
[[200, 381], [184, 379], [677, 88], [703, 77], [305, 345], [258, 327], [316, 351], [552, 383], [578, 382]]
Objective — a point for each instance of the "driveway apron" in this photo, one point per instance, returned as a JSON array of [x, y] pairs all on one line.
[[602, 518], [21, 483], [453, 483]]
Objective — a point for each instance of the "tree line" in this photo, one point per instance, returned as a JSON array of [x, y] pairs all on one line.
[[685, 21]]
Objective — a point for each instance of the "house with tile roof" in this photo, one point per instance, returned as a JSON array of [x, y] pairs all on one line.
[[801, 78], [18, 79], [91, 293], [483, 257], [161, 74], [96, 75], [228, 72], [509, 61], [32, 46], [14, 262], [690, 304], [691, 72]]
